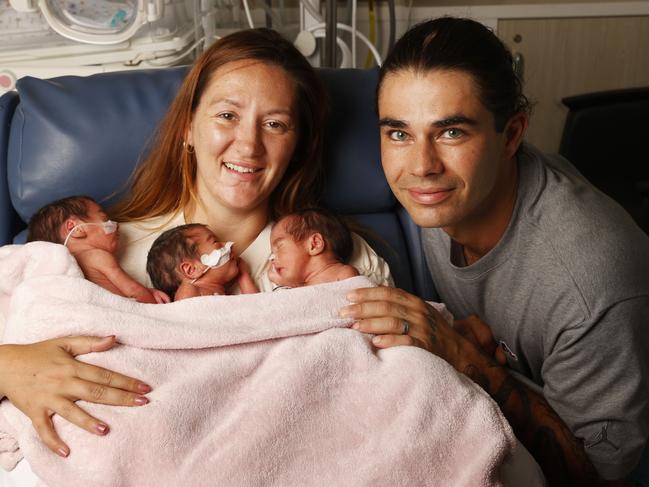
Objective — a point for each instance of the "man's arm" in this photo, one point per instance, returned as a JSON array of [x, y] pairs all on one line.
[[559, 453], [382, 311]]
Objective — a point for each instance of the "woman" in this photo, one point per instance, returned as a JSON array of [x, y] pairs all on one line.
[[240, 145]]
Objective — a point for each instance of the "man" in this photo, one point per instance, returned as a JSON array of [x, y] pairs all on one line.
[[521, 248]]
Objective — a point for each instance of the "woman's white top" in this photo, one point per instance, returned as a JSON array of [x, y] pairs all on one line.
[[136, 239]]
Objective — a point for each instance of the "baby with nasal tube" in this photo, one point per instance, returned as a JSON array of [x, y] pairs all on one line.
[[80, 224], [310, 246], [188, 261]]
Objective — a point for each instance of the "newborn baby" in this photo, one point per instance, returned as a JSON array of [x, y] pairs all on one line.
[[310, 247], [188, 261], [80, 224]]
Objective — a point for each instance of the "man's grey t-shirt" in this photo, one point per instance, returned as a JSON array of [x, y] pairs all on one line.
[[566, 290]]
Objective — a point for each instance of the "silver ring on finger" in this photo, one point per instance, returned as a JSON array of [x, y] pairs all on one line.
[[406, 327]]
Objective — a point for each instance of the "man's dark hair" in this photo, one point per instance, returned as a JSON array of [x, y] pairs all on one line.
[[466, 45], [170, 248], [46, 223], [333, 229]]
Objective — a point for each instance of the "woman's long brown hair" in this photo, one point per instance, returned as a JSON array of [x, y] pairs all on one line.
[[164, 183]]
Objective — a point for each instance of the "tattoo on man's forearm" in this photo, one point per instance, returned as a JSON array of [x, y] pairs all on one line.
[[474, 373], [554, 458], [560, 454], [511, 387], [562, 448]]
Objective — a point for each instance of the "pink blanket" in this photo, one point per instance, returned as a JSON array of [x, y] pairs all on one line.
[[264, 389]]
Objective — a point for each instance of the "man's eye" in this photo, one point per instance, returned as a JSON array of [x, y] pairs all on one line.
[[398, 135], [453, 133]]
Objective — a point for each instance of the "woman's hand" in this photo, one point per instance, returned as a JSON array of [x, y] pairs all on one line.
[[399, 318], [44, 379]]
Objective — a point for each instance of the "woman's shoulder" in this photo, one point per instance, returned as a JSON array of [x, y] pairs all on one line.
[[369, 263]]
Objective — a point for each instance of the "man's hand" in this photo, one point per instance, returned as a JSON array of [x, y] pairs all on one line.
[[478, 332], [44, 379], [383, 311]]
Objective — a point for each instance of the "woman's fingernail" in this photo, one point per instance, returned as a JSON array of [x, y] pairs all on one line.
[[63, 452], [345, 312], [101, 428], [141, 400], [356, 326], [352, 296], [376, 340], [144, 388]]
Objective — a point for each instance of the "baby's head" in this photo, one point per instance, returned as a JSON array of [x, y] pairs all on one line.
[[74, 221], [300, 237], [189, 253]]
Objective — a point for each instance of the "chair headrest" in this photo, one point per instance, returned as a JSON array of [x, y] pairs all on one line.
[[84, 135]]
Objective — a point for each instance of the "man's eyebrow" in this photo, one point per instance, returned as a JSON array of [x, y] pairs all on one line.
[[392, 123], [445, 122], [455, 120]]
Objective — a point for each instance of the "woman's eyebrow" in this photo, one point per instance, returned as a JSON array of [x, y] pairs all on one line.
[[226, 101], [280, 111]]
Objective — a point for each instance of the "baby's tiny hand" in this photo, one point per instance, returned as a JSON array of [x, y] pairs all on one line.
[[243, 266], [159, 296]]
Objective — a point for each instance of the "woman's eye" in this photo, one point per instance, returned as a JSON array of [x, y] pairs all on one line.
[[398, 135], [226, 116], [276, 126]]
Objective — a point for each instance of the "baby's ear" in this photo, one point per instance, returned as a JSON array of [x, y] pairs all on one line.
[[316, 244], [69, 224], [188, 269]]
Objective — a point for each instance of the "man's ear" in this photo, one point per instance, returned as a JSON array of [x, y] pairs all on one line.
[[315, 244], [514, 132], [188, 269]]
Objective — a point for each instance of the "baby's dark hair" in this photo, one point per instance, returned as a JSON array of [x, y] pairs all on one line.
[[171, 247], [46, 223], [333, 229]]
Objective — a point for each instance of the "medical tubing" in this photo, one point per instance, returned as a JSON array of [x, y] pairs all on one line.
[[198, 28], [393, 23], [344, 48], [372, 33], [248, 15], [312, 10], [174, 59], [353, 33], [347, 28], [409, 14]]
